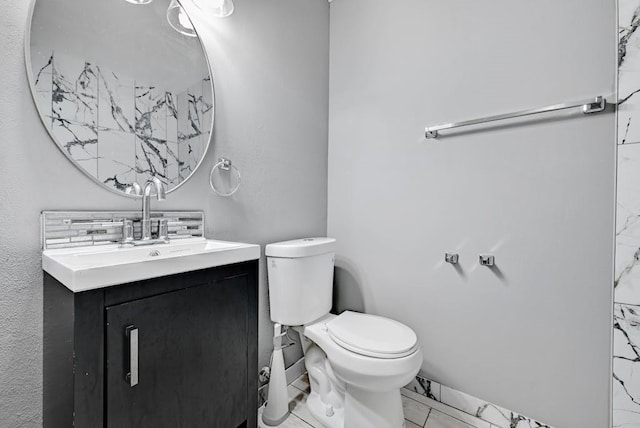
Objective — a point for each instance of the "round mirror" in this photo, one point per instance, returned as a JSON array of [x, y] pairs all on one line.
[[123, 86]]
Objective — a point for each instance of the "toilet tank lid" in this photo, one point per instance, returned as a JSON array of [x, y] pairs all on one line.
[[303, 247]]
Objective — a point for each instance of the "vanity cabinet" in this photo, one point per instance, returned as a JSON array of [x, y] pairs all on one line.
[[191, 336]]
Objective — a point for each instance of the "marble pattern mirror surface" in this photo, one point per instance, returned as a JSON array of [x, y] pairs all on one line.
[[122, 94]]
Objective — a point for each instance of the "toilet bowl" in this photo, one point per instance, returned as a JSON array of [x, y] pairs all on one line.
[[356, 362], [360, 366], [369, 366]]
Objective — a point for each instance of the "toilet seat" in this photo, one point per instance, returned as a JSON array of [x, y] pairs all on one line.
[[372, 336], [379, 372]]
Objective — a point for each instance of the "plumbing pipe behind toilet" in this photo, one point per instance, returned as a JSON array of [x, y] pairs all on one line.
[[277, 407]]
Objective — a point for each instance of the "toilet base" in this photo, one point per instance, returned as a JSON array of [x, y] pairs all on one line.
[[321, 412], [373, 408], [348, 405], [362, 409]]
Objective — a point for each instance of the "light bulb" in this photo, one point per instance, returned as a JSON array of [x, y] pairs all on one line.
[[184, 21], [179, 21], [218, 8]]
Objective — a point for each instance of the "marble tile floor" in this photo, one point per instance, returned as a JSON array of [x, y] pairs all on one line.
[[419, 411]]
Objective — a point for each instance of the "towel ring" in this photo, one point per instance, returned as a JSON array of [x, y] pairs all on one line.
[[224, 164]]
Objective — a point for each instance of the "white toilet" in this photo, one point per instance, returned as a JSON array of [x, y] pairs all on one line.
[[356, 362]]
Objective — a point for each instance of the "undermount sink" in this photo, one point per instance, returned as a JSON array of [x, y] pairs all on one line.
[[87, 268]]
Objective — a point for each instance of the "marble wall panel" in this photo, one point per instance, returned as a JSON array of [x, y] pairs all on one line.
[[194, 109], [156, 120], [207, 112], [116, 102], [626, 330], [75, 87], [117, 154], [151, 159], [207, 105], [172, 151], [190, 152], [174, 164], [495, 415], [627, 261], [42, 63], [629, 72], [190, 113], [161, 132], [426, 387], [172, 116], [80, 141], [75, 109], [626, 366], [151, 112]]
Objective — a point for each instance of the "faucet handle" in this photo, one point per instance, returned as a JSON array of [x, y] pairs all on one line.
[[127, 230], [163, 229]]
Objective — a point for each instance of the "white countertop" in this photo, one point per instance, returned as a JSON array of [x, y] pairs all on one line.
[[91, 267]]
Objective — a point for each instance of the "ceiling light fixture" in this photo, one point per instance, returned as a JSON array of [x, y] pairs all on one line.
[[179, 21], [139, 1]]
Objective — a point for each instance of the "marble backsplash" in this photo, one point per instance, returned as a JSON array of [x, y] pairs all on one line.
[[121, 130]]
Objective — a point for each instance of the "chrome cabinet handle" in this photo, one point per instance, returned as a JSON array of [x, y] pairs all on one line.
[[131, 333]]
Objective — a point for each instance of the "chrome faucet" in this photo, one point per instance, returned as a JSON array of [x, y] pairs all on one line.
[[146, 204], [133, 189]]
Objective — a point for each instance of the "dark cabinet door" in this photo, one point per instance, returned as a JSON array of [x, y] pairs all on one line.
[[192, 358]]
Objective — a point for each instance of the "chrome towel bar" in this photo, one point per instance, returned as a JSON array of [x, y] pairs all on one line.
[[593, 105]]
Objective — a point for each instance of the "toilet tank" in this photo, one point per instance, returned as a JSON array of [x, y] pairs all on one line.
[[300, 279]]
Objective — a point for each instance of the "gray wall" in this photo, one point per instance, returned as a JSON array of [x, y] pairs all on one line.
[[533, 334], [270, 65]]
